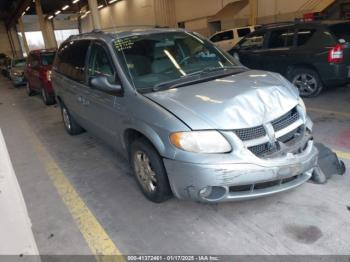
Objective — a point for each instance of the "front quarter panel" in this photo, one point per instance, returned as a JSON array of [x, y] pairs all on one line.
[[154, 122]]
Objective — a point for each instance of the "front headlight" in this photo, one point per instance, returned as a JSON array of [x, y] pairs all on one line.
[[302, 104], [205, 142]]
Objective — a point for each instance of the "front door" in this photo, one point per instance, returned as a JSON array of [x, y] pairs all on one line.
[[278, 55], [251, 49], [102, 109]]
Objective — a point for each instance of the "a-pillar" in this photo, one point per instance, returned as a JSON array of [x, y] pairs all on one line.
[[46, 27], [94, 14], [24, 39]]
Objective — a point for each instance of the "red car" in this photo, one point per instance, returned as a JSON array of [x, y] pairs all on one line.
[[38, 74]]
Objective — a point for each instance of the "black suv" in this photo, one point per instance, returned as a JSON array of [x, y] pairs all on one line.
[[310, 54]]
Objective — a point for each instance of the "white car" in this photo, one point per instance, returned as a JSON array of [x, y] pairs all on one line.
[[229, 38]]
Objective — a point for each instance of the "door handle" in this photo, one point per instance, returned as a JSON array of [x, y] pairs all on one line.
[[83, 101]]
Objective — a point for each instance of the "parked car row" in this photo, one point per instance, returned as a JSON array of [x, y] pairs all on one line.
[[191, 120], [311, 55], [34, 72]]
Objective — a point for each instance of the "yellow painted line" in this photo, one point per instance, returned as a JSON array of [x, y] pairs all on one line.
[[318, 110], [342, 154], [96, 237]]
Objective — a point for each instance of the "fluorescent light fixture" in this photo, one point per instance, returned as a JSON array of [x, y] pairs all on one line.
[[100, 6], [75, 1], [50, 17], [27, 8], [23, 13], [57, 12], [65, 7], [88, 12], [83, 16], [112, 1]]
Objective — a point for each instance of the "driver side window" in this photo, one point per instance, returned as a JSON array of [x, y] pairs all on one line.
[[99, 64], [253, 41]]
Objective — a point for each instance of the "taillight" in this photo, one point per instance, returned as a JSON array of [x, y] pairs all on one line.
[[336, 54], [48, 75]]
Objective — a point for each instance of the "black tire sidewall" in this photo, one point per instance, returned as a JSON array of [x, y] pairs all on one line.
[[75, 128], [163, 191], [301, 70]]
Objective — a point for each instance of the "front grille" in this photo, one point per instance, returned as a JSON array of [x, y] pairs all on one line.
[[263, 149], [262, 185], [250, 133], [285, 120]]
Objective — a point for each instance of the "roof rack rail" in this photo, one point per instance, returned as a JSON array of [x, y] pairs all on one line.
[[280, 23]]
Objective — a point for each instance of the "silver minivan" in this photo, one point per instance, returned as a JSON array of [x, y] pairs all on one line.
[[191, 120]]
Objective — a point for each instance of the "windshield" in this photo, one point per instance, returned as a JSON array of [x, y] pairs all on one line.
[[19, 63], [47, 58], [163, 57]]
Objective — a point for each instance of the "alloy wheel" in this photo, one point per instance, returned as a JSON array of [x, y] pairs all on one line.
[[66, 118], [43, 94], [306, 83], [144, 172], [29, 91]]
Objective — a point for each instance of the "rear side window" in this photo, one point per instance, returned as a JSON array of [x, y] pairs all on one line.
[[33, 61], [228, 35], [47, 58], [71, 59], [242, 32], [253, 41], [281, 38], [304, 35], [341, 31]]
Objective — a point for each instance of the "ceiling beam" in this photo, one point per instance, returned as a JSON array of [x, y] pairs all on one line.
[[13, 18]]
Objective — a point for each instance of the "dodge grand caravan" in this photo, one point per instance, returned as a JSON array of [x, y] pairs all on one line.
[[191, 120]]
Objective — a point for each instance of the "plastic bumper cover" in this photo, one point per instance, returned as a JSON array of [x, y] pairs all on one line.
[[240, 181]]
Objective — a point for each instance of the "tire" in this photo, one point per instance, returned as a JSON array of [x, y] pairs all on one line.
[[30, 92], [307, 81], [47, 98], [147, 163], [72, 127]]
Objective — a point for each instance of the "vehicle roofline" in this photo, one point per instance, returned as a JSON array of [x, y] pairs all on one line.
[[113, 33]]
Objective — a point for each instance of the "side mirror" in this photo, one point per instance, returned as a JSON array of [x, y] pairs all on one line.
[[101, 83]]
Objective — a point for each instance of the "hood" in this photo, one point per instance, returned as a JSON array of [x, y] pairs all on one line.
[[19, 69], [244, 100]]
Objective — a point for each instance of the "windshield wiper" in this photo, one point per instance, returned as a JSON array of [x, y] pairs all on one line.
[[202, 75], [213, 69]]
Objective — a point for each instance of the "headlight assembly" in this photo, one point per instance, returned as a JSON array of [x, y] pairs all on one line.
[[302, 104], [205, 142]]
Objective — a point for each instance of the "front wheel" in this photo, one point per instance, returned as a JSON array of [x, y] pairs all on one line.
[[30, 92], [307, 81], [72, 127], [149, 171], [48, 99]]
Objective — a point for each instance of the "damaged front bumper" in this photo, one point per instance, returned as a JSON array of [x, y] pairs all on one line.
[[241, 180]]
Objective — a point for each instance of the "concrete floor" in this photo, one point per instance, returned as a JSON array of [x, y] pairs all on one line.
[[313, 219]]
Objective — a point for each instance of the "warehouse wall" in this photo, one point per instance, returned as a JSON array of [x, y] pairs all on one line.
[[31, 22], [123, 13], [5, 46]]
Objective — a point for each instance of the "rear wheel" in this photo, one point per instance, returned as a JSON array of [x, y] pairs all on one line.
[[47, 98], [72, 127], [30, 92], [149, 171], [307, 81]]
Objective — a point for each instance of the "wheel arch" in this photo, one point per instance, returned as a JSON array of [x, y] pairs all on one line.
[[291, 68], [131, 134]]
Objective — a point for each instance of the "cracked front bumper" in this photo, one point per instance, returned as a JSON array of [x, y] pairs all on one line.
[[240, 181]]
